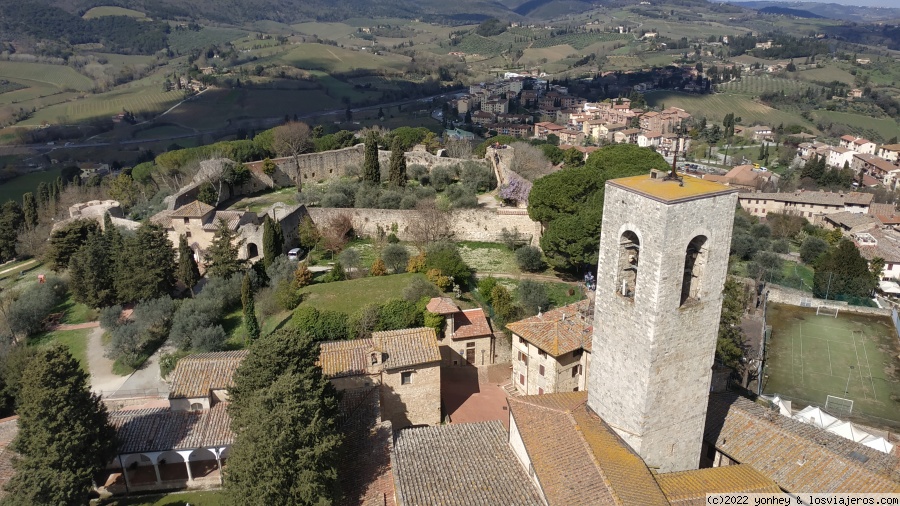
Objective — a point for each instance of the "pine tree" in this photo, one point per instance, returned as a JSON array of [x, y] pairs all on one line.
[[146, 267], [188, 272], [398, 164], [251, 324], [222, 255], [64, 433], [273, 240], [302, 276], [371, 166], [283, 410], [43, 194], [92, 273], [29, 207]]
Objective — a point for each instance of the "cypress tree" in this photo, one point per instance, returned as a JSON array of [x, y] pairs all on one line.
[[251, 324], [273, 240], [188, 272], [371, 166], [398, 164], [146, 267], [92, 273], [43, 194], [29, 207], [64, 433]]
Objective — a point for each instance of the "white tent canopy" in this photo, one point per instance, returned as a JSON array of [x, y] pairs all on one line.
[[849, 431], [879, 443], [784, 407], [815, 416]]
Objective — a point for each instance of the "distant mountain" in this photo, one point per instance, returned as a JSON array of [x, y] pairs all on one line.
[[785, 11], [854, 13]]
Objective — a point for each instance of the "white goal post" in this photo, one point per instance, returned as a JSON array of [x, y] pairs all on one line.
[[827, 311], [838, 405]]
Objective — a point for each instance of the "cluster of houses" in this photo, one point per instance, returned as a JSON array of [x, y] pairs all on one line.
[[574, 120], [874, 165]]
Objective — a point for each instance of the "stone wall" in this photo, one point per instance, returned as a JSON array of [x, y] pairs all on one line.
[[790, 296], [417, 403], [480, 224]]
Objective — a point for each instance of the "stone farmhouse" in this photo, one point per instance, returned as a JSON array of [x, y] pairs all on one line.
[[551, 352], [808, 204], [467, 338], [185, 444], [404, 364]]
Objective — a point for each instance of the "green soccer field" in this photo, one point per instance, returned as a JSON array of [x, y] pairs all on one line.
[[852, 356]]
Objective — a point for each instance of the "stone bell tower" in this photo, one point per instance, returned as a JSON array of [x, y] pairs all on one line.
[[663, 260]]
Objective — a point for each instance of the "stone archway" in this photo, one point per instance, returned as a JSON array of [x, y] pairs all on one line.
[[252, 250]]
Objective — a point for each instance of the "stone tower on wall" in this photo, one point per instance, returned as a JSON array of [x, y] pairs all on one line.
[[663, 260]]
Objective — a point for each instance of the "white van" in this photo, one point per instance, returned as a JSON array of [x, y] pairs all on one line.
[[294, 254]]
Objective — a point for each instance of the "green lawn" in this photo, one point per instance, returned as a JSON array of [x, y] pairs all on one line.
[[211, 498], [75, 340], [488, 257], [348, 296], [75, 312], [796, 275]]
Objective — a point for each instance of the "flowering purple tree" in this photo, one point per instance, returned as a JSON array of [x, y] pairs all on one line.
[[516, 190]]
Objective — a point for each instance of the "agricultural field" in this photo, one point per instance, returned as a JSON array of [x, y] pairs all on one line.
[[877, 129], [108, 10], [550, 54], [827, 74], [756, 85], [620, 61], [715, 107], [14, 188], [331, 31], [578, 40], [336, 59], [185, 41], [7, 86], [476, 44], [147, 99], [57, 76]]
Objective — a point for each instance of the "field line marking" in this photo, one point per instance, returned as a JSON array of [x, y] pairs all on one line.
[[828, 349], [868, 366], [802, 377], [859, 366]]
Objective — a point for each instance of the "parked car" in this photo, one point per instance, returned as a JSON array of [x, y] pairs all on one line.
[[294, 254]]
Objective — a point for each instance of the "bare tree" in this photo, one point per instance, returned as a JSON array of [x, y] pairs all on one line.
[[430, 224], [292, 139], [336, 233], [458, 148], [33, 241], [529, 161]]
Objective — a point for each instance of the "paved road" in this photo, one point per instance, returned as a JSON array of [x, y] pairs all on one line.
[[103, 381]]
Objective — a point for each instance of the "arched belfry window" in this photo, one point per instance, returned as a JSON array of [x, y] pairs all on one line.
[[629, 252], [694, 265]]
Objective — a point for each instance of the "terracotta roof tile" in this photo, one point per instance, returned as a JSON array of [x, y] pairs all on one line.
[[406, 347], [345, 358], [799, 457], [471, 323], [442, 306], [160, 429], [689, 488], [196, 375], [558, 331], [231, 218], [813, 197], [461, 464], [195, 209], [577, 458]]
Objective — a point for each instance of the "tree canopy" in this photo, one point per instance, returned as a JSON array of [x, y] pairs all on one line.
[[284, 415], [64, 433], [222, 256], [569, 202]]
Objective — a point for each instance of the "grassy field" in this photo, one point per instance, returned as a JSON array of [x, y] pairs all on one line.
[[146, 99], [348, 296], [75, 340], [336, 59], [878, 129], [109, 10], [852, 356], [716, 106], [14, 188], [185, 41], [487, 258], [58, 76], [212, 498], [756, 85], [827, 74]]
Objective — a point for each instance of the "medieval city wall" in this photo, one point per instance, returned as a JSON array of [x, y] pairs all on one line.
[[467, 224]]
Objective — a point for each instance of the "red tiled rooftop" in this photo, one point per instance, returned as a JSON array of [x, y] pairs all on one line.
[[470, 323]]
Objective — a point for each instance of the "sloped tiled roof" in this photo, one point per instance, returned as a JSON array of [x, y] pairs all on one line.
[[558, 331], [161, 429], [406, 347], [689, 488], [162, 218], [195, 209], [442, 306], [798, 457], [577, 458], [196, 375], [231, 218], [461, 464], [471, 323], [813, 197], [886, 213], [851, 220], [345, 358]]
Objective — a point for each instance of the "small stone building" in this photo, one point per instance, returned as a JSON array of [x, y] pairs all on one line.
[[467, 338], [406, 365], [203, 379], [551, 351]]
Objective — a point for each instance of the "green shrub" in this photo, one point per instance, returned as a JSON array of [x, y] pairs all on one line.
[[528, 258]]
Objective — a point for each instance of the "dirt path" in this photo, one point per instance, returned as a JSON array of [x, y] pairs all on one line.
[[103, 380], [18, 267], [76, 326], [536, 277]]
